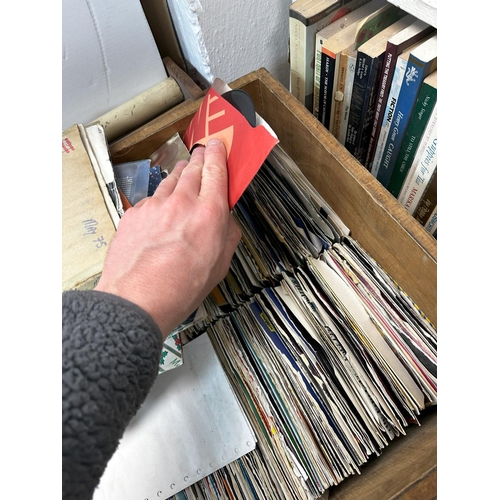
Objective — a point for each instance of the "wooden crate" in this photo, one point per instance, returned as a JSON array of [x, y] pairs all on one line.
[[407, 469]]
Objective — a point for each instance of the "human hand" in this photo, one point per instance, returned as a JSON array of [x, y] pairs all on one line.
[[171, 249]]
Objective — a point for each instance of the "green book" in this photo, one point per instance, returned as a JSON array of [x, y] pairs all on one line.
[[426, 101]]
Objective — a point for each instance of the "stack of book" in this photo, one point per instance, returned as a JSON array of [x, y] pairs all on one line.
[[375, 90]]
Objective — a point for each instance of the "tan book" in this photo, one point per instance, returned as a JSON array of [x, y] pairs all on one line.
[[338, 96]]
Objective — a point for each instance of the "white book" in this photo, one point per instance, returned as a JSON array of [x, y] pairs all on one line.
[[392, 100], [422, 167], [346, 103]]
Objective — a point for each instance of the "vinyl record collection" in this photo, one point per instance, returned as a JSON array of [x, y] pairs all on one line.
[[329, 358]]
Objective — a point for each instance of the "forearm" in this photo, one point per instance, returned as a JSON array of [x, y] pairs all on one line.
[[111, 349]]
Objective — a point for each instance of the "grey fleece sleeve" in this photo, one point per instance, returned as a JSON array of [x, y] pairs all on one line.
[[110, 354]]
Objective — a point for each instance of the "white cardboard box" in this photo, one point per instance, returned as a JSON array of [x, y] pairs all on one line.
[[109, 56]]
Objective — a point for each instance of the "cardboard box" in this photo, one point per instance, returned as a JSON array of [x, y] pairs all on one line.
[[87, 224]]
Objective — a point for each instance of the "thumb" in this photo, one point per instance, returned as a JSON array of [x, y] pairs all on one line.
[[214, 179]]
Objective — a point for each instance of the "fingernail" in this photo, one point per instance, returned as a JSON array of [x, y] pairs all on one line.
[[213, 142]]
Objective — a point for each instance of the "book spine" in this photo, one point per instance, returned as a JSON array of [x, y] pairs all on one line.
[[425, 104], [339, 8], [338, 95], [335, 84], [431, 224], [320, 39], [428, 201], [346, 104], [370, 112], [416, 72], [384, 86], [358, 99], [297, 58], [421, 30], [392, 100], [365, 120], [328, 61], [423, 167]]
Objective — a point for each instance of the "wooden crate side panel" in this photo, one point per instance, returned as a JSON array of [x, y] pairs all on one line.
[[145, 140], [382, 226], [406, 470]]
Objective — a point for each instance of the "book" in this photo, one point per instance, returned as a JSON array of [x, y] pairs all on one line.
[[306, 18], [431, 224], [392, 99], [395, 47], [422, 62], [368, 28], [339, 93], [346, 102], [368, 20], [341, 18], [422, 168], [425, 104], [366, 77], [344, 33], [428, 202]]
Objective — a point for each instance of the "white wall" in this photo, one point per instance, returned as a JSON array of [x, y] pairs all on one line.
[[230, 38]]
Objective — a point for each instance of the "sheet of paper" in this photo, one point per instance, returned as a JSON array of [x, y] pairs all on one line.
[[189, 426]]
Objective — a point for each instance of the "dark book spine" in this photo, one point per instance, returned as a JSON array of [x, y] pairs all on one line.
[[387, 70], [369, 111], [325, 88], [359, 90], [428, 201]]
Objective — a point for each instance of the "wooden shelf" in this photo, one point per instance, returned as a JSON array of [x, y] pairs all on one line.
[[407, 470], [426, 10]]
